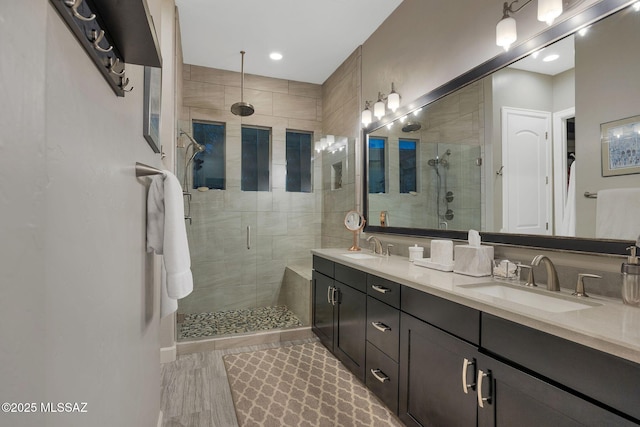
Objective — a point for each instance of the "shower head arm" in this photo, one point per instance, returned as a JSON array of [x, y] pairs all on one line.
[[199, 147]]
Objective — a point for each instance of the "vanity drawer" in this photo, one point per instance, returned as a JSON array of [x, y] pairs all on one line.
[[324, 266], [601, 376], [383, 327], [350, 276], [384, 290], [457, 319], [382, 377]]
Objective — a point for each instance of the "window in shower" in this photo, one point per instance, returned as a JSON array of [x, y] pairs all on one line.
[[408, 149], [298, 153], [377, 169], [208, 166], [256, 155]]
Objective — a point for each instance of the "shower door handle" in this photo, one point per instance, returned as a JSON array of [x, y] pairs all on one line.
[[248, 237]]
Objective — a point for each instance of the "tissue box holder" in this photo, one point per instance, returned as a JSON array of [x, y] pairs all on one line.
[[473, 260]]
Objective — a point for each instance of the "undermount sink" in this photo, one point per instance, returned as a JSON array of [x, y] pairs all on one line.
[[530, 297], [360, 256]]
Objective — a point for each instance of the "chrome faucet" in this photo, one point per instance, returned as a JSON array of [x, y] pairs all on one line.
[[553, 284], [377, 249]]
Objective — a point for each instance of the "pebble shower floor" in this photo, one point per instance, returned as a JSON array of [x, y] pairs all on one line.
[[228, 322]]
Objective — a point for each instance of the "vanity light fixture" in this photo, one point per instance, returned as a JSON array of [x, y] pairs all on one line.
[[379, 108], [331, 144], [506, 33], [366, 115]]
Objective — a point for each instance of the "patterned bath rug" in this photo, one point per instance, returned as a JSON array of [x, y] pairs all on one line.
[[300, 386]]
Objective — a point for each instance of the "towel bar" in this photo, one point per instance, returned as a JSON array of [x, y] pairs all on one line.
[[590, 195], [146, 170]]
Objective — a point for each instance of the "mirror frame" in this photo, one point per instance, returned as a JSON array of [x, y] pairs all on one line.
[[587, 17]]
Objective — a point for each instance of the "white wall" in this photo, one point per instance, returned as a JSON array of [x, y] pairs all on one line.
[[79, 300], [23, 181]]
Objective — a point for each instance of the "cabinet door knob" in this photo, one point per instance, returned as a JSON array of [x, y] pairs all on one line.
[[465, 368], [380, 376], [481, 375], [380, 326], [380, 289]]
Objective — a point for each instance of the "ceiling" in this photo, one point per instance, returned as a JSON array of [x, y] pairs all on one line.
[[314, 37], [535, 62]]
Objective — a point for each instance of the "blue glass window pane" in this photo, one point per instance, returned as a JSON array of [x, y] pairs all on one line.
[[298, 153], [408, 165], [208, 166], [255, 159], [377, 178]]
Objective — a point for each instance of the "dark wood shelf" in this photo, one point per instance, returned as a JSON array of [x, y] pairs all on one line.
[[132, 29]]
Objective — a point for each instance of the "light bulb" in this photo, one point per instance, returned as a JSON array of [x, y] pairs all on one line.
[[393, 100], [378, 109], [549, 10], [506, 32], [366, 117]]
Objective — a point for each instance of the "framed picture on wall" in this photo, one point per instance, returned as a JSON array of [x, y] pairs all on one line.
[[621, 147], [151, 115]]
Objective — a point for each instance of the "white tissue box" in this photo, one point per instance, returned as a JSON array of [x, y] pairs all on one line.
[[442, 252], [474, 261]]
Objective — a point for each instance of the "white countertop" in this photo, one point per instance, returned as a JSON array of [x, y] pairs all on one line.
[[611, 327]]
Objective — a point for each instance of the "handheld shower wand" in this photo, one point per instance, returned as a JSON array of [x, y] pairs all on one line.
[[197, 148]]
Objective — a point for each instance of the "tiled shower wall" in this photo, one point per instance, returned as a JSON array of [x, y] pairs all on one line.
[[284, 226], [341, 116]]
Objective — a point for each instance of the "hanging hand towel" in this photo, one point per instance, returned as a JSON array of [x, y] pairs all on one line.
[[617, 214], [167, 236]]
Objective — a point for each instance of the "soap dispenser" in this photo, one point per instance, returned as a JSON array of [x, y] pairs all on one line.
[[631, 277]]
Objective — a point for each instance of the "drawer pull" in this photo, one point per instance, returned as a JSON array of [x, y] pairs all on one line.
[[465, 368], [380, 376], [380, 326], [380, 289], [329, 288], [481, 400]]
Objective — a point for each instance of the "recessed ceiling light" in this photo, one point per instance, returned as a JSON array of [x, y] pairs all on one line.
[[551, 58], [275, 56]]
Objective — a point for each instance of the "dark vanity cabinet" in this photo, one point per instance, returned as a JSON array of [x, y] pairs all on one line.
[[455, 372], [549, 366], [383, 339], [435, 362], [339, 312]]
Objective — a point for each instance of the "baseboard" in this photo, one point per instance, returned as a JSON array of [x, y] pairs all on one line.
[[168, 354], [160, 419]]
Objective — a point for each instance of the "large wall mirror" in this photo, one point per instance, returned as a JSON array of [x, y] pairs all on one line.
[[495, 149]]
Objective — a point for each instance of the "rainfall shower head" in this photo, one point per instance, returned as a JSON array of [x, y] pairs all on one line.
[[411, 127], [242, 108]]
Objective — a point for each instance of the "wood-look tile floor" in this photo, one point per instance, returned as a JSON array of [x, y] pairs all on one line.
[[195, 388]]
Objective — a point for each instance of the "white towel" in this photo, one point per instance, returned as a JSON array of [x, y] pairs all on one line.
[[568, 226], [167, 236], [617, 214]]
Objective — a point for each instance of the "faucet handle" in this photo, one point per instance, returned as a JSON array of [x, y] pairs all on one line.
[[580, 291], [389, 246], [530, 279]]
